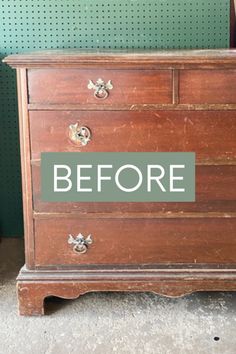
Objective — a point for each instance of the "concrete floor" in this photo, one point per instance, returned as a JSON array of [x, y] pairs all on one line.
[[105, 323]]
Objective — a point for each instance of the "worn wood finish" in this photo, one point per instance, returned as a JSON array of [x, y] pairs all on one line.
[[210, 134], [125, 58], [207, 86], [132, 107], [211, 196], [71, 86], [161, 101], [136, 241], [25, 167], [31, 294]]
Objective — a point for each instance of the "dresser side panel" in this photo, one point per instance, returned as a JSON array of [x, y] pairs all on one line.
[[25, 166]]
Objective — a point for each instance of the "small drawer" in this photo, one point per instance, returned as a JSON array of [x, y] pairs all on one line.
[[133, 241], [105, 87], [207, 86], [211, 135]]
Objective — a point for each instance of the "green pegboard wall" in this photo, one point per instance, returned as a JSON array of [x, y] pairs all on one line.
[[37, 24]]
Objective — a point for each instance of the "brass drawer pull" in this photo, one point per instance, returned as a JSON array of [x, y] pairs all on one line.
[[101, 89], [79, 135], [80, 243]]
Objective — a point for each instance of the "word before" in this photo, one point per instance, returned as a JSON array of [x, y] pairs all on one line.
[[118, 176], [153, 179]]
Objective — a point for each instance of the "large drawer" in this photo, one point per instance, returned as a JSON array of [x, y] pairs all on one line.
[[211, 135], [215, 192], [207, 86], [136, 241], [70, 86]]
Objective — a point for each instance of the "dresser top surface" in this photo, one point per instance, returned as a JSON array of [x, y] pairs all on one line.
[[91, 56]]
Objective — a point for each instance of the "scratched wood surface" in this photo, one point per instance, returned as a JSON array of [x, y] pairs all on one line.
[[136, 241], [207, 86], [210, 134], [71, 86], [96, 58], [211, 196]]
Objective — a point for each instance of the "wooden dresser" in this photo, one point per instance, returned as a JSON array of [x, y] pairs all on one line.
[[176, 101]]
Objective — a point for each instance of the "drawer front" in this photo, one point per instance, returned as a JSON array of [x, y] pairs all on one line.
[[215, 192], [135, 241], [210, 134], [62, 86], [207, 86]]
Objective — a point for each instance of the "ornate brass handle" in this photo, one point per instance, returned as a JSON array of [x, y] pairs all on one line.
[[79, 135], [80, 243], [101, 89]]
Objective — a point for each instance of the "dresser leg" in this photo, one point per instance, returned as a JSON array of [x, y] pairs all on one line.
[[30, 299]]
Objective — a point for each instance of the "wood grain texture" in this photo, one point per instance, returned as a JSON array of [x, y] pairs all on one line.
[[211, 196], [32, 292], [211, 135], [207, 86], [136, 241], [71, 86], [126, 58], [25, 167], [132, 107]]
